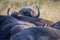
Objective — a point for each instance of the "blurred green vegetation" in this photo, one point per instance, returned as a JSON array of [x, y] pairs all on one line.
[[50, 9]]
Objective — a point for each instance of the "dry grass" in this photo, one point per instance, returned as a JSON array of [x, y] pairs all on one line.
[[49, 10]]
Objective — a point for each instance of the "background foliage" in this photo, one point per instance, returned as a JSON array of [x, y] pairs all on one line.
[[50, 9]]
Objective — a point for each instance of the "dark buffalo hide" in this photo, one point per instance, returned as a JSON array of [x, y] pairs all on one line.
[[56, 25], [36, 21], [36, 33], [8, 23]]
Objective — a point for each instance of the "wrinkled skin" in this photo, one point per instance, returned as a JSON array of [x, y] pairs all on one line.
[[35, 33], [10, 26], [8, 23], [23, 25], [36, 21], [56, 25]]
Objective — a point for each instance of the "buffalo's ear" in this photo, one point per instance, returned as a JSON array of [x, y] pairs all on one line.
[[8, 11]]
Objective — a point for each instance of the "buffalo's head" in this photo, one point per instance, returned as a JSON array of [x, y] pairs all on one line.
[[25, 12]]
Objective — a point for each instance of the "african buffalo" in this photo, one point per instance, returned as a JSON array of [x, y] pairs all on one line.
[[37, 33], [8, 23], [26, 12], [56, 25]]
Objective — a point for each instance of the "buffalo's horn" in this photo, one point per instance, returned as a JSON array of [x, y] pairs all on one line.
[[38, 11], [8, 11]]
